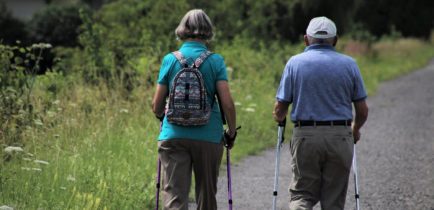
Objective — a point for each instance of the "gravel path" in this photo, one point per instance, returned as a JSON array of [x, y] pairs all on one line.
[[395, 155]]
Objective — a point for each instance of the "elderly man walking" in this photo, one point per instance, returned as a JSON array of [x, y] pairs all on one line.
[[322, 85]]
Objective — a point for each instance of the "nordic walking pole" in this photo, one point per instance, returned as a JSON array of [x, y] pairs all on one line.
[[356, 181], [228, 166], [157, 196], [280, 139]]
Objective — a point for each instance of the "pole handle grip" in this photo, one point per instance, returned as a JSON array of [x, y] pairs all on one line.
[[283, 123]]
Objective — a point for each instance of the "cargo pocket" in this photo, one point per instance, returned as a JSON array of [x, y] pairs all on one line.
[[295, 142], [345, 148]]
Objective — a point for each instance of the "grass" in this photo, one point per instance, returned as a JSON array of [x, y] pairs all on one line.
[[391, 59], [101, 147], [97, 158]]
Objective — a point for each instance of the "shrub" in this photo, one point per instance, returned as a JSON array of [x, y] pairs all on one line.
[[56, 24], [382, 17], [17, 77], [12, 29], [115, 37]]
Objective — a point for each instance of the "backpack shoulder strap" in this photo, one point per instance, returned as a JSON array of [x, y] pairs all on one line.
[[202, 58], [180, 58]]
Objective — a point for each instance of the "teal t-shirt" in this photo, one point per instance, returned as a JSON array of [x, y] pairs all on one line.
[[213, 69]]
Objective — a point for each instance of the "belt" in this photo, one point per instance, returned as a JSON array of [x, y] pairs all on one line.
[[302, 123]]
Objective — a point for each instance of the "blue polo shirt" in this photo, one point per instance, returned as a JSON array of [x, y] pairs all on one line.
[[321, 84], [213, 69]]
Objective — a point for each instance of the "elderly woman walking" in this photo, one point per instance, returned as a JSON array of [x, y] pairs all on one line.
[[188, 144]]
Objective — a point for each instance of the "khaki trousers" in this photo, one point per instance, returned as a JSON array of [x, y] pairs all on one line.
[[179, 157], [321, 164]]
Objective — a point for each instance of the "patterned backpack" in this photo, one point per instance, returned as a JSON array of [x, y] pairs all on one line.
[[188, 104]]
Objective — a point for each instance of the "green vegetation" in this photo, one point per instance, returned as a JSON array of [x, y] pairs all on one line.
[[85, 128], [101, 147]]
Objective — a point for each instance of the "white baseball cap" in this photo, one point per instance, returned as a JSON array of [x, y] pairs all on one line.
[[321, 28]]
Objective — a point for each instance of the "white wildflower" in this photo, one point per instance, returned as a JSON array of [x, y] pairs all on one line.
[[70, 178], [38, 122], [56, 102], [56, 136], [230, 69], [4, 207], [63, 188], [51, 114], [27, 159], [13, 149], [42, 45], [124, 111], [237, 103], [42, 162], [30, 169], [249, 109], [252, 105], [249, 97]]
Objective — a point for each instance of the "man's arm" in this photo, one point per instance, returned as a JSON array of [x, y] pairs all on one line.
[[280, 110], [361, 109]]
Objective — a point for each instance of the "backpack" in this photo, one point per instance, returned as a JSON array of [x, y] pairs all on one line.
[[187, 105]]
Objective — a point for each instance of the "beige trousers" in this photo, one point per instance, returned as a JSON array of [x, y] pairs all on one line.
[[179, 157], [321, 164]]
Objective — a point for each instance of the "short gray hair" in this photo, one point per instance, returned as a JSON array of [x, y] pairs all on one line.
[[196, 25], [329, 41]]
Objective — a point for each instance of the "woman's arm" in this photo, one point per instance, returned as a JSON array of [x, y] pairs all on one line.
[[227, 105], [159, 101]]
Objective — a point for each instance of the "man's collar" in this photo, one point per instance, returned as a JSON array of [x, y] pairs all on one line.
[[319, 46]]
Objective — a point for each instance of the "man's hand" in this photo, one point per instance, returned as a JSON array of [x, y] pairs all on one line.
[[361, 116], [356, 135], [280, 111]]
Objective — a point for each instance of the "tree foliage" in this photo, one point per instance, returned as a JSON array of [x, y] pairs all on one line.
[[56, 24], [153, 21], [124, 33], [115, 36], [12, 29], [410, 18], [17, 76]]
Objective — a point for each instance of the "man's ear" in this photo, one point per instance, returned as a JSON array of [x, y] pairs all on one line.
[[306, 41], [335, 41]]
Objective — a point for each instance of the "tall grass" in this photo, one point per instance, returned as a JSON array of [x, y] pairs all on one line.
[[101, 146], [100, 154], [392, 59]]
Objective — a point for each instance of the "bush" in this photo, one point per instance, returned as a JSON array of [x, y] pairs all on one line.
[[412, 19], [12, 29], [56, 24], [17, 77], [115, 37]]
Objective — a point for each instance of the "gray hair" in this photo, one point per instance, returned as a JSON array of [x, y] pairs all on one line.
[[196, 25], [329, 41]]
